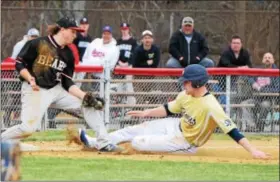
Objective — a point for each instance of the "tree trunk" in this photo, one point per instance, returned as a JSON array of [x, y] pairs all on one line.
[[241, 20]]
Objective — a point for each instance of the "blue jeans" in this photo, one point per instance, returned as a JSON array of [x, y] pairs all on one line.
[[174, 63]]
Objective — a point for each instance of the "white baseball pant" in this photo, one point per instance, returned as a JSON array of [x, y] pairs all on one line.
[[162, 135], [35, 103]]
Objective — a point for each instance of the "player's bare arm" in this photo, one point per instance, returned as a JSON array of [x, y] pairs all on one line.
[[241, 140], [30, 79], [155, 112], [254, 152], [77, 92]]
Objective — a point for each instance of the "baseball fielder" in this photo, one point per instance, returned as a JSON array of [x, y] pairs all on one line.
[[201, 114], [46, 67]]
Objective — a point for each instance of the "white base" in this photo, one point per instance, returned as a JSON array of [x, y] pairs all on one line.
[[24, 147]]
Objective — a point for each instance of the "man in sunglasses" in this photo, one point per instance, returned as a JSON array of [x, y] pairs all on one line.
[[188, 46]]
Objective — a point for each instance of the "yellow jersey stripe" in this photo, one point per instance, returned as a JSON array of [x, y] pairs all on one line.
[[206, 121]]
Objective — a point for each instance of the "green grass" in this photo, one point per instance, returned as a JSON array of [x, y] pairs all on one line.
[[52, 168], [58, 135]]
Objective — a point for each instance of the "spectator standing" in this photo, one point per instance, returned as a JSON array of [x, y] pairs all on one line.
[[126, 44], [264, 84], [146, 55], [83, 39], [188, 46], [32, 33], [235, 55], [101, 50]]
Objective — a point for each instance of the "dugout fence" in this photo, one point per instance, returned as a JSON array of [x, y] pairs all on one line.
[[254, 110]]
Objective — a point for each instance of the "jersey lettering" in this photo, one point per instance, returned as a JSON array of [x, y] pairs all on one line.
[[58, 64], [127, 54], [51, 62], [200, 117], [151, 55], [96, 53], [227, 123], [188, 119], [58, 76], [126, 47], [45, 60]]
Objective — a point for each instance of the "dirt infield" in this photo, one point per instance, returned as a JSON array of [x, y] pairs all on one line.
[[221, 151]]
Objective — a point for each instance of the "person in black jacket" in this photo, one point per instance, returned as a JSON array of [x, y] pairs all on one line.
[[126, 44], [83, 39], [235, 55], [187, 46], [147, 55]]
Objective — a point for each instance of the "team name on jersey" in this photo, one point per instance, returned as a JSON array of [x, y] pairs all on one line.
[[96, 53], [50, 61], [188, 119], [126, 47]]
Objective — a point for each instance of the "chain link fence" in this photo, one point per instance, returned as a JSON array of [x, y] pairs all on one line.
[[257, 23], [254, 109]]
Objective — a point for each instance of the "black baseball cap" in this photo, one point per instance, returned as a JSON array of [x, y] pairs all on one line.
[[66, 22], [84, 20], [125, 26]]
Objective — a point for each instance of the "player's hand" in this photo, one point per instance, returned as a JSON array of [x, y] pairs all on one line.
[[150, 62], [137, 113], [33, 84], [257, 154], [243, 66], [181, 58], [123, 64]]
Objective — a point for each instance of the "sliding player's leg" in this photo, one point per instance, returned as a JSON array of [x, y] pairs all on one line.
[[171, 143], [93, 117], [155, 127]]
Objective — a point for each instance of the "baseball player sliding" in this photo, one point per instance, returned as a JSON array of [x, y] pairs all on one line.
[[201, 114], [46, 67]]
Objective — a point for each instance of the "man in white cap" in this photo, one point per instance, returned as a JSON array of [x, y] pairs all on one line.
[[32, 33], [146, 55], [188, 46]]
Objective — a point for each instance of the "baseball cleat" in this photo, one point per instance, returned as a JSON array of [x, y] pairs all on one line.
[[83, 138], [111, 148]]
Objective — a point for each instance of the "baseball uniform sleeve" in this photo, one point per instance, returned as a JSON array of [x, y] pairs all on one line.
[[221, 119], [27, 55], [175, 105]]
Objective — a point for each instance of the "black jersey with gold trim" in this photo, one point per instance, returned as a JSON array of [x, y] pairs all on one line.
[[48, 62]]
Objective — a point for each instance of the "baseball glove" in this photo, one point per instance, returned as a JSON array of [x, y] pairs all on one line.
[[92, 101]]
